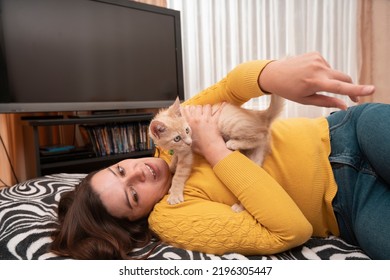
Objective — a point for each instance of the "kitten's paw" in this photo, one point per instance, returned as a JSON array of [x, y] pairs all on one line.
[[237, 207], [175, 198], [233, 145]]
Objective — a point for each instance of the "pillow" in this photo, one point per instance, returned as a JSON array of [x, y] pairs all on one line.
[[28, 215]]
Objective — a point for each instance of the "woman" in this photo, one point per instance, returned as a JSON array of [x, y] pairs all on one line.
[[289, 199]]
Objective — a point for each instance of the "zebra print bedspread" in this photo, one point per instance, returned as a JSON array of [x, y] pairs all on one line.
[[28, 216]]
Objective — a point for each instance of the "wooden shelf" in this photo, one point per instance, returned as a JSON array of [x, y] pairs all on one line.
[[83, 161]]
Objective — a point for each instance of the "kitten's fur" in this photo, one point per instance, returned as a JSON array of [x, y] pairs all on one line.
[[242, 129]]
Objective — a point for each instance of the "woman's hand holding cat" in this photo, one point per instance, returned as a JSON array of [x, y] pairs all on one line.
[[207, 140], [301, 78]]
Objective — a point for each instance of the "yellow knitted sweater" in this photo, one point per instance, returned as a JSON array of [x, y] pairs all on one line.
[[286, 201]]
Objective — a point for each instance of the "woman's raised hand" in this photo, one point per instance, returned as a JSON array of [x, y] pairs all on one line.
[[302, 78]]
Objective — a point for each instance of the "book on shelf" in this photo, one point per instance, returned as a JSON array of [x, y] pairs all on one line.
[[118, 138]]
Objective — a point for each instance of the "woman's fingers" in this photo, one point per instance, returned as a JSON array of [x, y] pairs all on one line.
[[302, 78]]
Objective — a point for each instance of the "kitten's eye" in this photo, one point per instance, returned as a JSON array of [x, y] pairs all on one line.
[[177, 138], [121, 170], [187, 130]]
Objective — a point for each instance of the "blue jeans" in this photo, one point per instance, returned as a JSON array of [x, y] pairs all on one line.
[[360, 158]]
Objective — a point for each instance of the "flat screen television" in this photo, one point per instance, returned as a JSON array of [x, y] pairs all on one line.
[[83, 55]]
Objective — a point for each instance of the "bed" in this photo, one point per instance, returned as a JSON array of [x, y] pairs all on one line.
[[28, 217]]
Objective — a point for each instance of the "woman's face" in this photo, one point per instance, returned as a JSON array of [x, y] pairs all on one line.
[[131, 188]]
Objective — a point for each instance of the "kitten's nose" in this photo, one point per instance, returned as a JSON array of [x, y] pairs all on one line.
[[188, 142]]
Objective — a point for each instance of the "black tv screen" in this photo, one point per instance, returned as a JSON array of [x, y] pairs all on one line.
[[78, 55]]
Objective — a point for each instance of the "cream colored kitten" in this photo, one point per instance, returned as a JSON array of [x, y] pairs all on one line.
[[242, 129], [170, 131]]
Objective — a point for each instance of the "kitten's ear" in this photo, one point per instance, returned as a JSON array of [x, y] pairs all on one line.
[[157, 128], [175, 107]]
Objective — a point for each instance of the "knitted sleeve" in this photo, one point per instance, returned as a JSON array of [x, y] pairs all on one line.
[[271, 222], [240, 85]]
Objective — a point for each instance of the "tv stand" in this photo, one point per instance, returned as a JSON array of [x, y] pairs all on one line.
[[113, 115], [50, 160]]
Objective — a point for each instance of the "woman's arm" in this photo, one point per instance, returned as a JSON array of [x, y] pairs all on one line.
[[272, 221], [239, 85], [302, 78], [299, 78], [212, 227]]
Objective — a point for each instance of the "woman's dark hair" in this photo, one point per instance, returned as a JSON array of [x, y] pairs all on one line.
[[87, 231]]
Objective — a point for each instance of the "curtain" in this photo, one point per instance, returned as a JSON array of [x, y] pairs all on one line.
[[374, 37], [219, 34]]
